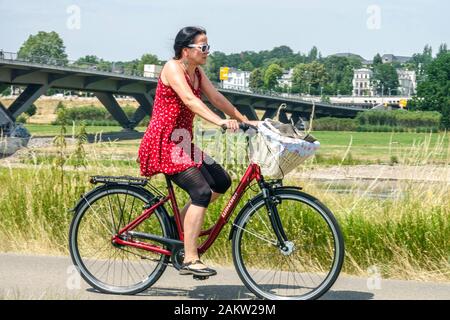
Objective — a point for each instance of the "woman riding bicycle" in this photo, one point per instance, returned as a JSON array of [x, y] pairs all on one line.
[[177, 101]]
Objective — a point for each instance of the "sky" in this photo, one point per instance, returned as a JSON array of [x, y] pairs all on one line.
[[122, 30]]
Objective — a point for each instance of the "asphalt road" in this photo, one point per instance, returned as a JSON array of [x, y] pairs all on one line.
[[47, 277]]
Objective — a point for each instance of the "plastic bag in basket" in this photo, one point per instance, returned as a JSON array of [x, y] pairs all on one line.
[[278, 149]]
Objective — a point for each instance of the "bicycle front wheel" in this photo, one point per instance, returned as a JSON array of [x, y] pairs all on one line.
[[109, 267], [314, 255]]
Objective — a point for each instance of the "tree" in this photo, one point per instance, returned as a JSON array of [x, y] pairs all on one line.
[[309, 78], [271, 76], [215, 61], [31, 111], [421, 61], [256, 80], [44, 47], [147, 59], [281, 52], [7, 91], [377, 59], [339, 72], [434, 92], [88, 59], [442, 49], [246, 66], [313, 54], [385, 78]]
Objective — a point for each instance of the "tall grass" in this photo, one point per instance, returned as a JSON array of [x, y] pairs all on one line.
[[406, 236]]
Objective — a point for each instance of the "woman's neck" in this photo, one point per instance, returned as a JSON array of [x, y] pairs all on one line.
[[188, 67]]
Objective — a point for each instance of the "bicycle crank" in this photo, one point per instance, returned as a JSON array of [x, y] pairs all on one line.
[[177, 258]]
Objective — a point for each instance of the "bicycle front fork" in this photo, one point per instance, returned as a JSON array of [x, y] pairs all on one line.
[[271, 202]]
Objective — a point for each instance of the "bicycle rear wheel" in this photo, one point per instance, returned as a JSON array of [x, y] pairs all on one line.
[[315, 252], [109, 267]]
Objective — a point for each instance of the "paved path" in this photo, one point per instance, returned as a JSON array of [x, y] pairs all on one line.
[[46, 277]]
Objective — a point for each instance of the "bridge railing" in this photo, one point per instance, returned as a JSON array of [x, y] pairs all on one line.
[[72, 64]]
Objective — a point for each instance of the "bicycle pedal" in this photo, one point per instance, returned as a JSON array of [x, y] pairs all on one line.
[[200, 277]]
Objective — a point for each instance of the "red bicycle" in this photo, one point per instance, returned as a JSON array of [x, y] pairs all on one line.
[[285, 243]]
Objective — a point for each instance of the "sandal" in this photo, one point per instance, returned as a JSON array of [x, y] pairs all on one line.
[[186, 269]]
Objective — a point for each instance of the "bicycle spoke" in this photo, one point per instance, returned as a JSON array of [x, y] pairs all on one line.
[[129, 216], [96, 213], [272, 242], [114, 231]]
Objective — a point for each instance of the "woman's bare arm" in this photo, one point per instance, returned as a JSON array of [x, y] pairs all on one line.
[[175, 76]]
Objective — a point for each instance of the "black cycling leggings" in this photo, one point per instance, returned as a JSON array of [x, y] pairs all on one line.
[[198, 182]]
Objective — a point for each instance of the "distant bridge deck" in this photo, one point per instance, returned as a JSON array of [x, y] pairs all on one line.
[[39, 76]]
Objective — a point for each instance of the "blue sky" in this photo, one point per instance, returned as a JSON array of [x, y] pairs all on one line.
[[124, 30]]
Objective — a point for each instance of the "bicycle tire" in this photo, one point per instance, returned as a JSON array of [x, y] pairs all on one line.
[[83, 262], [256, 233]]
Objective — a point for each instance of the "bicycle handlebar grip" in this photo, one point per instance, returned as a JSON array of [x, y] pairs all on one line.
[[243, 126]]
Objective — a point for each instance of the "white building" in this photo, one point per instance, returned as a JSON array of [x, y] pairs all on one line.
[[237, 80], [285, 81], [152, 70], [362, 83], [407, 82]]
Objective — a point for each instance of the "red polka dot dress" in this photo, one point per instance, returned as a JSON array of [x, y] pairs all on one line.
[[167, 143]]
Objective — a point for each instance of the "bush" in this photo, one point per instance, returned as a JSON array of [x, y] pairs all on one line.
[[31, 111], [334, 124], [22, 118], [400, 118], [93, 116], [60, 106]]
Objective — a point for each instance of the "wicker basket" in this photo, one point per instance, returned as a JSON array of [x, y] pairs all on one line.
[[278, 155]]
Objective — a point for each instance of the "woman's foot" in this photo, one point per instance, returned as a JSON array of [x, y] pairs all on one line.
[[197, 268]]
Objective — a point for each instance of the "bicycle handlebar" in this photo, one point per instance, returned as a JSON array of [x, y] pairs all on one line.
[[243, 126]]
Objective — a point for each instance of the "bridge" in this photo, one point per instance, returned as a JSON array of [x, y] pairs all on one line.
[[38, 74]]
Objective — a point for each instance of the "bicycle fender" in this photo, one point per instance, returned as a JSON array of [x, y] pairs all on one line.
[[252, 202]]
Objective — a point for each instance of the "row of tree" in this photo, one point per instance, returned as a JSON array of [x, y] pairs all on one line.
[[49, 47], [314, 74], [433, 91]]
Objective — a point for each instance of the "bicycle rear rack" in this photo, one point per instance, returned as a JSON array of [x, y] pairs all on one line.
[[119, 179], [127, 180]]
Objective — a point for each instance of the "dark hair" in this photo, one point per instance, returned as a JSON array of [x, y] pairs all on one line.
[[184, 38]]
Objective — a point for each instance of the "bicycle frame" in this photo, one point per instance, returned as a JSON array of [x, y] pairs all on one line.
[[252, 172]]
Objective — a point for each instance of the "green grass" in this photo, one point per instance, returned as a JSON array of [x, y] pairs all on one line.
[[337, 148], [366, 139], [380, 147], [407, 237]]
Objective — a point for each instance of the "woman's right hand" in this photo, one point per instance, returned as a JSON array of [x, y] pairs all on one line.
[[231, 124]]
